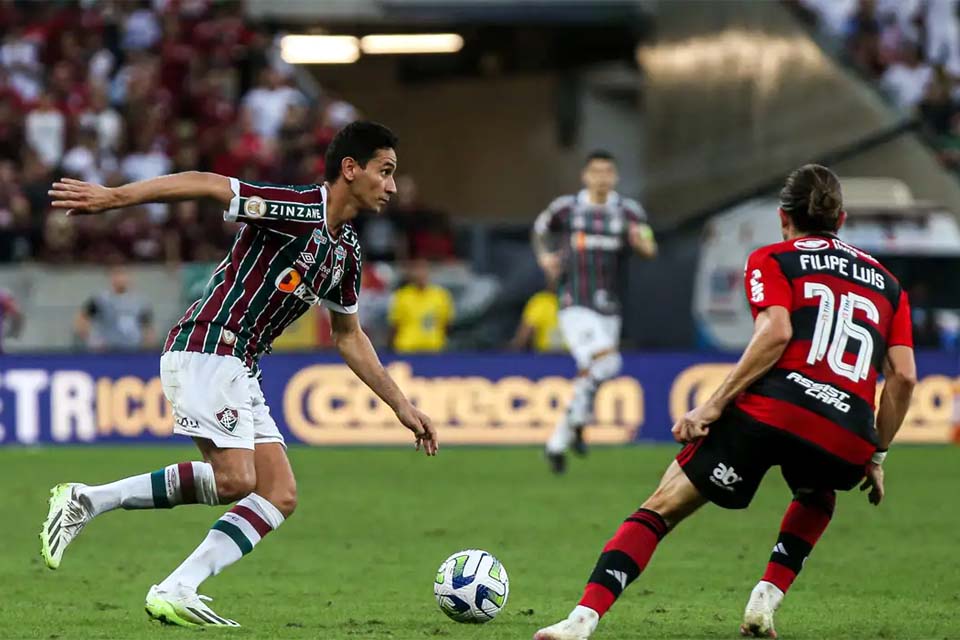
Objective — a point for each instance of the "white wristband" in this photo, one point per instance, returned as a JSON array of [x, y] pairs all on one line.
[[878, 457]]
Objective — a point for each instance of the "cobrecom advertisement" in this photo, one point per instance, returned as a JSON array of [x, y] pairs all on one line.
[[474, 399]]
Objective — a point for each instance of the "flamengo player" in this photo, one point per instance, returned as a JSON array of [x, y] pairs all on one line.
[[595, 228], [297, 248], [828, 319]]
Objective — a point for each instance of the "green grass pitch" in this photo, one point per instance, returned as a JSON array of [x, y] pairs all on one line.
[[358, 558]]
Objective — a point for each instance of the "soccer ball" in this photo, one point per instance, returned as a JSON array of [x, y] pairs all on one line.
[[471, 586]]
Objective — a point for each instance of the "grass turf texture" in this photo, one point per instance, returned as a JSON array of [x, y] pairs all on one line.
[[358, 558]]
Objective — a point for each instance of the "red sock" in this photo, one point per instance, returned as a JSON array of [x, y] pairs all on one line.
[[623, 558], [804, 522]]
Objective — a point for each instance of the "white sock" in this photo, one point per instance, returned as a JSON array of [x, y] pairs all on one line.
[[561, 437], [233, 536], [183, 483]]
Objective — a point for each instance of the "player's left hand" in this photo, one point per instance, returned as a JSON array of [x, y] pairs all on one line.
[[418, 422], [696, 423], [874, 482]]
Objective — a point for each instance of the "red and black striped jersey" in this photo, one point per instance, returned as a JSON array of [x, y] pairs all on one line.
[[593, 242], [283, 260], [846, 309]]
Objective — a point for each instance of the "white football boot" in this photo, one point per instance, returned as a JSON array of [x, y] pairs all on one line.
[[184, 608], [758, 616], [66, 518], [579, 625]]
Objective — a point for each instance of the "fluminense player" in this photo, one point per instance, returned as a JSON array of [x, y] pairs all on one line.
[[828, 319], [580, 242], [297, 248]]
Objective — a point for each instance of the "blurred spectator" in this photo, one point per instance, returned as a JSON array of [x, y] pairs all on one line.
[[116, 319], [14, 216], [11, 318], [267, 103], [11, 129], [943, 33], [46, 130], [103, 119], [427, 231], [88, 162], [539, 327], [20, 55], [906, 81], [141, 28], [420, 313], [148, 160]]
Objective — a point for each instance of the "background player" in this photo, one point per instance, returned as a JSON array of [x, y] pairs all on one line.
[[595, 227], [828, 318], [297, 248]]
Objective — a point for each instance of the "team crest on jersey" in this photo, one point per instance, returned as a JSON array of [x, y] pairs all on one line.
[[255, 206], [337, 275], [812, 244], [229, 337], [228, 418]]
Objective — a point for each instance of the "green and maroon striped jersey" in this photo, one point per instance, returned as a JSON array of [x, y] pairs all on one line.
[[283, 260], [593, 242]]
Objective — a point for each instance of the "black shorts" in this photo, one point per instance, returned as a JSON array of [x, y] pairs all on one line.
[[727, 465]]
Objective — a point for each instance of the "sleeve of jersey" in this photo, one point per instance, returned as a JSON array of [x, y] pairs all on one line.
[[635, 212], [345, 297], [550, 219], [765, 283], [901, 329], [282, 208]]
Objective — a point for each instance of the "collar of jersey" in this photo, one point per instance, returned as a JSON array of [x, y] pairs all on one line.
[[583, 197]]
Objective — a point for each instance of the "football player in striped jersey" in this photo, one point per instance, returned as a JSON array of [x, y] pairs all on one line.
[[593, 232], [828, 320], [297, 247]]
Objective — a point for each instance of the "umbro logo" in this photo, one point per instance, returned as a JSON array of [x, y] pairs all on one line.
[[619, 576], [724, 476], [307, 257]]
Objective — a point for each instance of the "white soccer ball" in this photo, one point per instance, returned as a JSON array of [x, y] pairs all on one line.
[[471, 586]]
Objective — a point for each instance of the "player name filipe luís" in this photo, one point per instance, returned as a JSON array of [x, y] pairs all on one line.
[[844, 266]]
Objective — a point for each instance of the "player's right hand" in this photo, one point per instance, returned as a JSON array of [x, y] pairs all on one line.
[[551, 265], [80, 198], [874, 482], [418, 422]]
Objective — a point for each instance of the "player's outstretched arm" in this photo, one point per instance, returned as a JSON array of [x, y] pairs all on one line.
[[771, 335], [79, 198], [355, 349]]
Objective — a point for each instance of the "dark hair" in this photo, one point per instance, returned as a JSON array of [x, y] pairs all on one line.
[[599, 154], [812, 198], [359, 140]]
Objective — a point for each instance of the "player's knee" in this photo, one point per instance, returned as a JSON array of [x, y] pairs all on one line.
[[234, 484], [665, 503], [606, 366], [824, 500]]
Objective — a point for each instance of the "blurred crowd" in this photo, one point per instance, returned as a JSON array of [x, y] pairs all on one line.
[[912, 49], [117, 91]]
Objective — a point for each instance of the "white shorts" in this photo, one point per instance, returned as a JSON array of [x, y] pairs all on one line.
[[587, 333], [214, 397]]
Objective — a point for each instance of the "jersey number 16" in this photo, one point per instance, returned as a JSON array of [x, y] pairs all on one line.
[[846, 330]]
